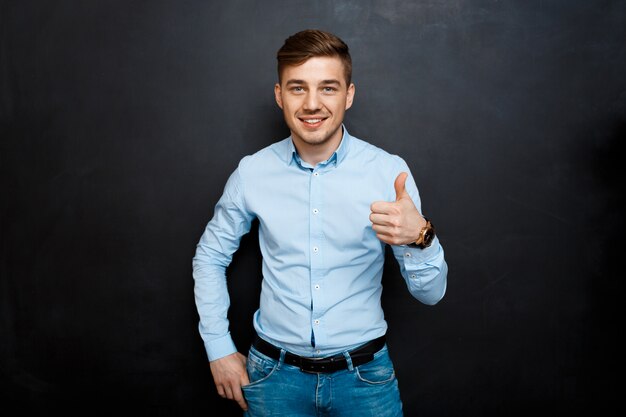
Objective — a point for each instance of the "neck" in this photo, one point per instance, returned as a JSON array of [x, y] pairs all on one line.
[[314, 153]]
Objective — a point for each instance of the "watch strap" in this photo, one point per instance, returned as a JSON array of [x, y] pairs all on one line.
[[426, 236]]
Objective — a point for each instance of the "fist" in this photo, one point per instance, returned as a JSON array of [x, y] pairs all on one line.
[[397, 222]]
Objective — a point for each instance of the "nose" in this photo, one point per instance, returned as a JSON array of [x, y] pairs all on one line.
[[312, 102]]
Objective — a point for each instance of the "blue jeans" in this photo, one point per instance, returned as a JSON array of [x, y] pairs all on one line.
[[278, 389]]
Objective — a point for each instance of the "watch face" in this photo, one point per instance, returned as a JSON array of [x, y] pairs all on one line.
[[429, 236]]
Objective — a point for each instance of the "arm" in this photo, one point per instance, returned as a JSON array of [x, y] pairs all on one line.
[[398, 223], [424, 270], [214, 253]]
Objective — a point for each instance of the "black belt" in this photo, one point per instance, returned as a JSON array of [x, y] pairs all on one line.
[[361, 355]]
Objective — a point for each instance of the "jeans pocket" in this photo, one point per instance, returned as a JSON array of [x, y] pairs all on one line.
[[259, 368], [378, 371]]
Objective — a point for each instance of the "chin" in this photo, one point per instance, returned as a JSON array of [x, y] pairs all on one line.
[[316, 140]]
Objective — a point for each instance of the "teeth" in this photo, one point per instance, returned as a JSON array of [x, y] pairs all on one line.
[[312, 121]]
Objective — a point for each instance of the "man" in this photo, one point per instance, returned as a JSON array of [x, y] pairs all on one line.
[[327, 204]]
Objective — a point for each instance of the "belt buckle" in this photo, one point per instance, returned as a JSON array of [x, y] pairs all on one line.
[[327, 364], [305, 361]]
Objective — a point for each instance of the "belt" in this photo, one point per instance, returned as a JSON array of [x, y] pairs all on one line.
[[359, 356]]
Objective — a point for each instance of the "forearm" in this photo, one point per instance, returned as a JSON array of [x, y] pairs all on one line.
[[424, 270], [211, 291], [212, 302]]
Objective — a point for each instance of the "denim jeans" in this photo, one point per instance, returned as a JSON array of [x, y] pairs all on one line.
[[278, 389]]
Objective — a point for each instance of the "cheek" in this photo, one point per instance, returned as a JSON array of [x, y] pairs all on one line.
[[337, 106], [340, 108], [289, 105]]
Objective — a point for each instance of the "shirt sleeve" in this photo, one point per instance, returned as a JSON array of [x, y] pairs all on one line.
[[213, 255], [424, 270]]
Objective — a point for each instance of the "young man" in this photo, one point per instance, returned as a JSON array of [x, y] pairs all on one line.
[[327, 204]]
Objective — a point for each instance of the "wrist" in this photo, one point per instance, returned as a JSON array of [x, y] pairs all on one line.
[[423, 222], [426, 235]]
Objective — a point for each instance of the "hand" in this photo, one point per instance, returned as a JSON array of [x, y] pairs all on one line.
[[229, 374], [398, 222]]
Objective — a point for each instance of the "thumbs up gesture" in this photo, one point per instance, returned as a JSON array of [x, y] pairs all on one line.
[[397, 222]]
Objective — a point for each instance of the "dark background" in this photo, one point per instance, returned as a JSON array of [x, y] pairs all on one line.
[[121, 121]]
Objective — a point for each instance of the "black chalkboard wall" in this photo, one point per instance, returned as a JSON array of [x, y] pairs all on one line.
[[121, 121]]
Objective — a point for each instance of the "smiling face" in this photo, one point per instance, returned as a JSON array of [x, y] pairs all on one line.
[[314, 97]]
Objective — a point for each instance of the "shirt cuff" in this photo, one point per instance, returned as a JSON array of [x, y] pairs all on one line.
[[218, 348], [416, 256]]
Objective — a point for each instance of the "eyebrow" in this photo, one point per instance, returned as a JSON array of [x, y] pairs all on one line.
[[323, 82]]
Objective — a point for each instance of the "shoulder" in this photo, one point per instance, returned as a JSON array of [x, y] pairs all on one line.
[[366, 152], [264, 158], [386, 168]]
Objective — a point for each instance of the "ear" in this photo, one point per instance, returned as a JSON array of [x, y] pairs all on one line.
[[277, 95], [350, 96]]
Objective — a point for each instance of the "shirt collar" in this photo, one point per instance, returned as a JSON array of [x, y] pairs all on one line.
[[337, 157]]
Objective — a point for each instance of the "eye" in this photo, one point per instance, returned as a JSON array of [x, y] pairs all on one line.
[[297, 89], [329, 89]]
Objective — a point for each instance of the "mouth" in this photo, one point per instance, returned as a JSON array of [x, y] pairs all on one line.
[[312, 122]]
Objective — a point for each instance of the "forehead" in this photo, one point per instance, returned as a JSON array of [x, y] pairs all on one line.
[[315, 70]]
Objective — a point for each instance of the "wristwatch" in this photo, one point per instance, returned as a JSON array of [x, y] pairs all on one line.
[[427, 234]]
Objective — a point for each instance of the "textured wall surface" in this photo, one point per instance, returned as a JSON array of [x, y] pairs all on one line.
[[121, 121]]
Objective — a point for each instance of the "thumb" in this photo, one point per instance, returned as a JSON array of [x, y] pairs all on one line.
[[399, 185]]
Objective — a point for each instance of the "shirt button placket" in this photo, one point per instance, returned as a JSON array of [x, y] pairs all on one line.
[[316, 245]]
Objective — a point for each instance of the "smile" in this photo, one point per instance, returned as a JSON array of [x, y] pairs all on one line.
[[314, 122]]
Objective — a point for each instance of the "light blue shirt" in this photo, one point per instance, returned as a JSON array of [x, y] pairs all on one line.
[[322, 262]]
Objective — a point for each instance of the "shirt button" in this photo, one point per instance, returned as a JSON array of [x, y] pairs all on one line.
[[316, 322], [316, 174], [315, 249], [413, 276], [408, 254], [317, 287], [315, 211]]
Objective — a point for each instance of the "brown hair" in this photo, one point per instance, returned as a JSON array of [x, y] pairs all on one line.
[[300, 47]]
